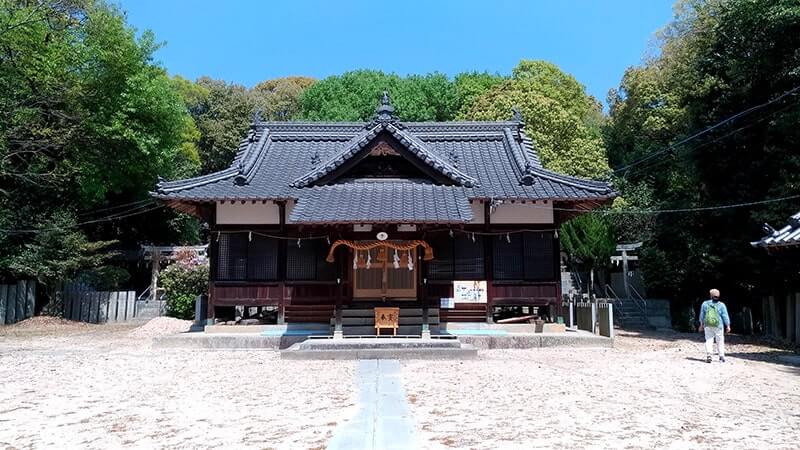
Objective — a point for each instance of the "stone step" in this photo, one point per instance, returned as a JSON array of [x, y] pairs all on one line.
[[407, 330], [349, 349], [370, 312], [370, 321], [367, 343]]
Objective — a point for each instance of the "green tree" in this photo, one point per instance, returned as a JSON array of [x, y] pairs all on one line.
[[559, 116], [279, 99], [471, 85], [87, 122], [714, 60], [222, 113], [589, 242], [353, 96]]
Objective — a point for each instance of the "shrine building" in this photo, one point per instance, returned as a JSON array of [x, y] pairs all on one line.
[[449, 221]]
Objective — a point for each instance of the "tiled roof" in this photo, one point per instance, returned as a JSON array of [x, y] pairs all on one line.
[[383, 201], [361, 140], [287, 160], [785, 237]]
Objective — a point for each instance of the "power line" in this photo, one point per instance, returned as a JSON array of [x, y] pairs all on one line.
[[684, 210], [110, 208], [117, 216], [706, 130], [717, 139]]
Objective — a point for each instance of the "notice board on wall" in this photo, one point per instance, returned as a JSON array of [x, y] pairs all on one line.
[[469, 291]]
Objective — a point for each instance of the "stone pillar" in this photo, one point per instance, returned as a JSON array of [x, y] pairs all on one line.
[[607, 321], [572, 314], [338, 332], [156, 261], [594, 318]]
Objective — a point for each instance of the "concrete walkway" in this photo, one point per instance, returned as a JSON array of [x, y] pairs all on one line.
[[383, 420]]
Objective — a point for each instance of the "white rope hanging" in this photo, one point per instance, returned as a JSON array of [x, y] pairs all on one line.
[[396, 259], [369, 259], [410, 262], [355, 260]]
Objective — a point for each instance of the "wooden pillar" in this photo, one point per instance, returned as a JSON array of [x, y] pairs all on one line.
[[790, 318], [488, 267], [282, 263], [797, 317], [338, 330], [559, 306], [426, 329], [213, 252], [774, 330]]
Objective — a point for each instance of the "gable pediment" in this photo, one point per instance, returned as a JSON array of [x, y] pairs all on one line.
[[386, 147]]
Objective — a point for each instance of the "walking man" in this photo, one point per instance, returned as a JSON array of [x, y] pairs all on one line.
[[713, 317]]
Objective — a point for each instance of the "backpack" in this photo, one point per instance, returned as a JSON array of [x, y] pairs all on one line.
[[712, 317]]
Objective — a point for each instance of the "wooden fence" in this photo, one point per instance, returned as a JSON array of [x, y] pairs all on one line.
[[99, 306], [17, 301]]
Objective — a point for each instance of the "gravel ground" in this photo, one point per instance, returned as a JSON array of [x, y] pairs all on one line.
[[653, 391], [100, 387], [68, 385]]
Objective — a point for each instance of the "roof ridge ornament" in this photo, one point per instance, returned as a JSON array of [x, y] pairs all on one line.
[[258, 120], [315, 159], [384, 113], [516, 115]]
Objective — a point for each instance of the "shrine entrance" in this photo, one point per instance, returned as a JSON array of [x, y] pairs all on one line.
[[381, 273], [384, 269]]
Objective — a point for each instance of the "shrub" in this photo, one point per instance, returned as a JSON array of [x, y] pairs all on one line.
[[183, 282]]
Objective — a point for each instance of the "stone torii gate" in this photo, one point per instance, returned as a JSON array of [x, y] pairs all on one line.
[[157, 254], [625, 257]]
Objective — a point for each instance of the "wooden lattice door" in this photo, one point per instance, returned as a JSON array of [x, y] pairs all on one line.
[[382, 280]]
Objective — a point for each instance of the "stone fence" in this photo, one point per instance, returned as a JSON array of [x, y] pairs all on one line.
[[594, 317]]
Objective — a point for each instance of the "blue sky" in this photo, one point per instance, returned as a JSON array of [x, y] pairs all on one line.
[[247, 41]]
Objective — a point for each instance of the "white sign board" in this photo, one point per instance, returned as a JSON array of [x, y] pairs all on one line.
[[469, 291], [447, 303]]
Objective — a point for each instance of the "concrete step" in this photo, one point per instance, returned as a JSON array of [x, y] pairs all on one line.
[[365, 343], [407, 330], [370, 312], [370, 321], [413, 348]]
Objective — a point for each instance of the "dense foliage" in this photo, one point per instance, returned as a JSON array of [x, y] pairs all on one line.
[[354, 95], [714, 60], [589, 241], [183, 281], [87, 121], [560, 117]]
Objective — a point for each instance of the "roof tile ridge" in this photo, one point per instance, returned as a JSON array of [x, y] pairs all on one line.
[[450, 123], [252, 158], [305, 123], [529, 147], [592, 185], [523, 164], [416, 146], [356, 143], [178, 185]]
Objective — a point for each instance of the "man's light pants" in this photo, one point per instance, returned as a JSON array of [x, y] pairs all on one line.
[[711, 333]]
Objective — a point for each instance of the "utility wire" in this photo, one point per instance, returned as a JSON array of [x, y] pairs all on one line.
[[719, 138], [124, 215], [110, 208], [706, 130], [683, 210]]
